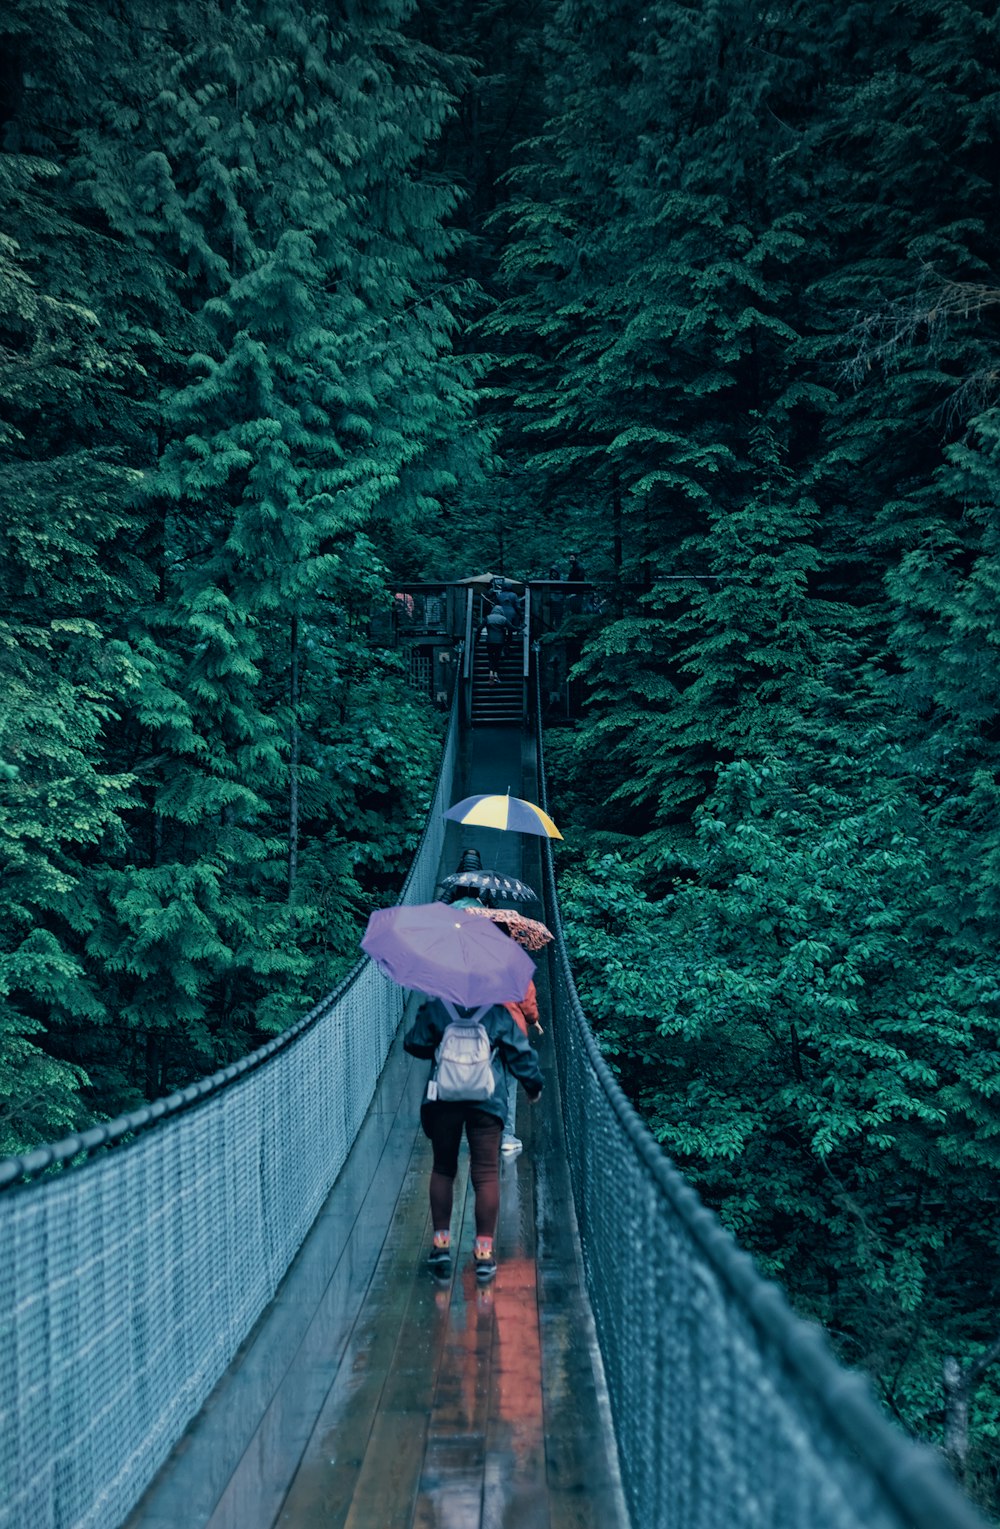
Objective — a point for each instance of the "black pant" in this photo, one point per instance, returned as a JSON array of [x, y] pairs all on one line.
[[444, 1123]]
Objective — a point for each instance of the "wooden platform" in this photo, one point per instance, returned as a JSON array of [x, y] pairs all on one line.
[[371, 1396]]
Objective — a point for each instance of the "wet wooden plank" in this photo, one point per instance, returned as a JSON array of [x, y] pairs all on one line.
[[259, 1491], [516, 1485], [388, 1367], [263, 1410], [385, 1487]]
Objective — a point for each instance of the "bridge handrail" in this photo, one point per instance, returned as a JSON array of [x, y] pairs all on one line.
[[128, 1280], [775, 1432]]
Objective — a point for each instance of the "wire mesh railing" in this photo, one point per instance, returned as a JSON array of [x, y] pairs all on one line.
[[728, 1408], [128, 1281]]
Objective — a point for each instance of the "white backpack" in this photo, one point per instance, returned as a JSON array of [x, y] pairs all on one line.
[[463, 1067]]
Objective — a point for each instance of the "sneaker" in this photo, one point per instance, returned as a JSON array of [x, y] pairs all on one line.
[[439, 1262], [486, 1266], [510, 1146]]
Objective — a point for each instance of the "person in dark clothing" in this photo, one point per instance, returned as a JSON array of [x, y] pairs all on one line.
[[491, 596], [495, 629], [468, 897], [482, 1123], [511, 607]]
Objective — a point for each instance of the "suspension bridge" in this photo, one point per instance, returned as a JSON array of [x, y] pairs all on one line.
[[216, 1312]]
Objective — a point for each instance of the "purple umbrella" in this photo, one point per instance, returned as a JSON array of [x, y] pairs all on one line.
[[445, 952]]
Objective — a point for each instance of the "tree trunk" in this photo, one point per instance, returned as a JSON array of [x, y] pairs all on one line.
[[959, 1389], [293, 761]]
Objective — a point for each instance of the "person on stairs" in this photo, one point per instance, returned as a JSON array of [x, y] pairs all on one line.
[[444, 1122], [495, 629], [511, 607]]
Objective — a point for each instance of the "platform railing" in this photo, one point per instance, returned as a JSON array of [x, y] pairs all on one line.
[[128, 1279], [468, 657], [728, 1408]]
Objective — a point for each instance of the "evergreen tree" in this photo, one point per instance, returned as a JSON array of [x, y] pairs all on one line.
[[907, 205], [810, 1055], [944, 637], [283, 173], [71, 419], [792, 192], [242, 372]]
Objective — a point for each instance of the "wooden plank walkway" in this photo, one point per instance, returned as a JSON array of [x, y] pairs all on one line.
[[371, 1396]]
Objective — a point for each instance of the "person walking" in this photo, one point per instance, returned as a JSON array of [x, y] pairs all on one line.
[[495, 629], [468, 897], [445, 1121], [511, 607], [523, 1014]]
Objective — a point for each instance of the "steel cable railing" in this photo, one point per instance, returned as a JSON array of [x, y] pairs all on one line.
[[729, 1410], [128, 1280]]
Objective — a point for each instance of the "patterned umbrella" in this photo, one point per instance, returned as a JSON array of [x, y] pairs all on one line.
[[492, 881], [444, 952], [508, 812], [529, 932]]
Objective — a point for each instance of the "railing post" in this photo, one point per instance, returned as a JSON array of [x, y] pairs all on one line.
[[526, 658], [468, 665]]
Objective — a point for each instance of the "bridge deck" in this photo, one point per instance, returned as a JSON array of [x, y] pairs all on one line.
[[370, 1398]]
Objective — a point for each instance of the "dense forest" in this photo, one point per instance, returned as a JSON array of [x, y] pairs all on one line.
[[297, 299]]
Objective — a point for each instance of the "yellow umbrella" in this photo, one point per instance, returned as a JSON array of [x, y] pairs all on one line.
[[506, 812]]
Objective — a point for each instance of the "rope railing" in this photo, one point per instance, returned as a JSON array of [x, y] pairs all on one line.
[[129, 1278], [728, 1408]]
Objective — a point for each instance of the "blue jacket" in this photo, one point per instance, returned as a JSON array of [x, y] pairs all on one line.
[[513, 1054]]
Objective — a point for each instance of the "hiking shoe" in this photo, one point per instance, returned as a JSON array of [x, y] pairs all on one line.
[[439, 1262], [486, 1266], [510, 1146]]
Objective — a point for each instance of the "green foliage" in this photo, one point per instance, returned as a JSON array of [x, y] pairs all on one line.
[[227, 332], [751, 325], [804, 1046]]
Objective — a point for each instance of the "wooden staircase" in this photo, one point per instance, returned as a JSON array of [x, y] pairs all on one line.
[[500, 704]]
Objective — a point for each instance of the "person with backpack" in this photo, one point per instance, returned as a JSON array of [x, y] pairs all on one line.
[[477, 1054], [496, 631]]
